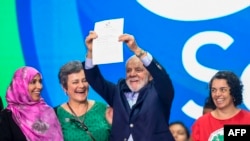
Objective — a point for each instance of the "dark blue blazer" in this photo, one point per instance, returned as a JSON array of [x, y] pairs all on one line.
[[148, 119], [9, 130], [1, 104]]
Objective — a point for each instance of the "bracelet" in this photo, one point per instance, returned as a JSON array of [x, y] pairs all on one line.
[[142, 52]]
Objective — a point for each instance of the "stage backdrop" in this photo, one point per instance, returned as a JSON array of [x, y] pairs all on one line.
[[192, 39]]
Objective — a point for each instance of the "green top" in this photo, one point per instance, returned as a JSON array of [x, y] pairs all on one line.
[[94, 119]]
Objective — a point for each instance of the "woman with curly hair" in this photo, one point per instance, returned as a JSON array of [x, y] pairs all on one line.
[[225, 93]]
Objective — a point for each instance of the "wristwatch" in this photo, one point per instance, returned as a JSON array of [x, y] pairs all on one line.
[[142, 52]]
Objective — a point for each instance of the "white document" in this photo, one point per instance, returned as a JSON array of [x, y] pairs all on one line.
[[106, 48]]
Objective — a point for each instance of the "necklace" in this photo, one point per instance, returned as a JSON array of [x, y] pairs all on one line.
[[81, 122], [72, 111]]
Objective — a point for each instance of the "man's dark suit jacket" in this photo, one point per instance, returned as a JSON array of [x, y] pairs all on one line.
[[148, 119]]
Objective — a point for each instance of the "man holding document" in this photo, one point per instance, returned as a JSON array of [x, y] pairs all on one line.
[[142, 101]]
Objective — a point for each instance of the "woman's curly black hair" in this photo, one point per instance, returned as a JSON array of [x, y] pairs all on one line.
[[235, 84]]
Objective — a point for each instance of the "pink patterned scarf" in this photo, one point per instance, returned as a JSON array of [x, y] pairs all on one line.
[[36, 119]]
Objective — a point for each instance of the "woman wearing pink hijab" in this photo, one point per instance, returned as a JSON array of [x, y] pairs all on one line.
[[27, 117]]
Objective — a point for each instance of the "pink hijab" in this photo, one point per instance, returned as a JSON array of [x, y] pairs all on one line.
[[36, 119]]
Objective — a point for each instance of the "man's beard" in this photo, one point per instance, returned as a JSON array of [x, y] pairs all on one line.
[[140, 84]]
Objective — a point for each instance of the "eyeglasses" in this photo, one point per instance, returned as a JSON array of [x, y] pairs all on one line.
[[81, 125], [221, 90]]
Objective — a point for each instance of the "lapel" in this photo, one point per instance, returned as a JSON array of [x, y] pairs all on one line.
[[137, 106], [133, 112]]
